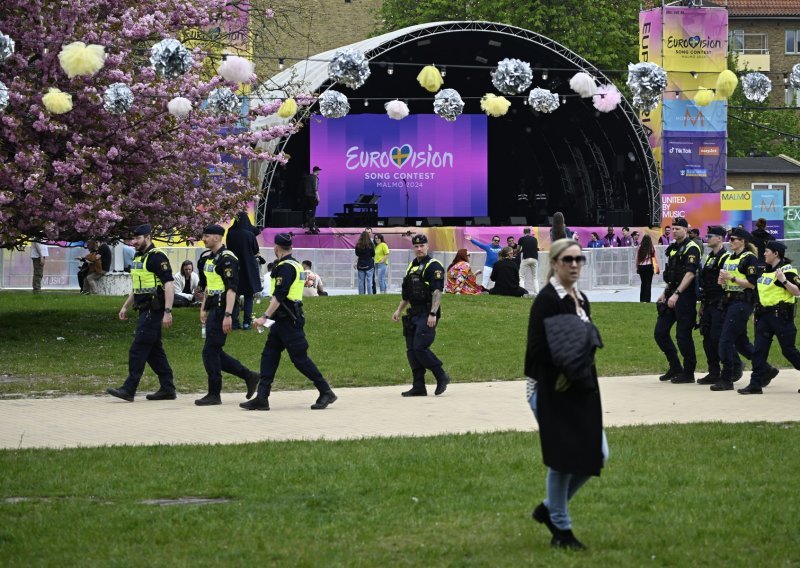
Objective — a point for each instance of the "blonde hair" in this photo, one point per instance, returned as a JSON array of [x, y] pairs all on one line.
[[556, 250]]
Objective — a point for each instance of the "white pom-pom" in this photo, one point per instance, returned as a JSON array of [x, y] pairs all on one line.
[[236, 69], [396, 110], [179, 107], [583, 84]]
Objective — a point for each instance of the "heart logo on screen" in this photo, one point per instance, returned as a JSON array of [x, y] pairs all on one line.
[[694, 41], [401, 155]]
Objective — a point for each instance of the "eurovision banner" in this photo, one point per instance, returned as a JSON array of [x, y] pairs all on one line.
[[695, 40], [650, 50]]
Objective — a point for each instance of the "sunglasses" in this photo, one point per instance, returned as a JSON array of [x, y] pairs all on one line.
[[736, 239], [579, 260]]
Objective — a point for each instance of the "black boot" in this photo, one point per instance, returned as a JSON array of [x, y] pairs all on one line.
[[209, 400], [324, 400], [255, 404], [565, 539], [751, 389], [768, 376], [709, 379], [415, 391], [682, 378], [722, 385], [441, 384], [670, 374], [162, 394], [252, 383], [541, 514]]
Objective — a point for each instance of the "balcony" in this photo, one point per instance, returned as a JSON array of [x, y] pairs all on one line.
[[750, 50]]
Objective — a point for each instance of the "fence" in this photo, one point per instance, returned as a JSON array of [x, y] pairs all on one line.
[[605, 268]]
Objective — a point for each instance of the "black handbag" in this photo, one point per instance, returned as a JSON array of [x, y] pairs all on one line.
[[573, 343]]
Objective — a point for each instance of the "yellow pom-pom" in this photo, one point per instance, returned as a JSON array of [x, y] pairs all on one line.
[[430, 79], [78, 58], [493, 105], [726, 84], [288, 108], [703, 97], [56, 101]]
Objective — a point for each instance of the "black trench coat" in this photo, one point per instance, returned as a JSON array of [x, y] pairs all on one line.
[[570, 423], [241, 241]]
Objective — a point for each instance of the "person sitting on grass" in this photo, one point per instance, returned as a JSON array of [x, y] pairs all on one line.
[[460, 278], [186, 286], [505, 276], [313, 284]]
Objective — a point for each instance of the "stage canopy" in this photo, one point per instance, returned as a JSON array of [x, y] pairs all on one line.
[[595, 167]]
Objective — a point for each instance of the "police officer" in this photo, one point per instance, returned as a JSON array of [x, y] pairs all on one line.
[[422, 289], [286, 310], [152, 296], [221, 270], [711, 305], [778, 287], [678, 304], [738, 278]]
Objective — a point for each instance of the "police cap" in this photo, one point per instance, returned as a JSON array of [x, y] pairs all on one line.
[[142, 230], [776, 246], [214, 230], [716, 230], [419, 240], [741, 234], [283, 239], [680, 222]]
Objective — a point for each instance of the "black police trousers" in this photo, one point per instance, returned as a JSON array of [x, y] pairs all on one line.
[[288, 334], [215, 360], [767, 326], [734, 338], [147, 348], [419, 338], [683, 315], [711, 329]]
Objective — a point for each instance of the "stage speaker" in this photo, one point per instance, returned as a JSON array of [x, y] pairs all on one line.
[[483, 221], [518, 221], [396, 221], [619, 217], [280, 217], [434, 221]]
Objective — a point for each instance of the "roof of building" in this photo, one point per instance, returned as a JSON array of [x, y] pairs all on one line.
[[770, 165], [739, 8]]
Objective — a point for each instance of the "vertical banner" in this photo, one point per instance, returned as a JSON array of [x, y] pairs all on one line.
[[791, 222], [650, 41]]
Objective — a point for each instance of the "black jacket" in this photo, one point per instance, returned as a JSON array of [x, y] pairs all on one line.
[[505, 275], [242, 242]]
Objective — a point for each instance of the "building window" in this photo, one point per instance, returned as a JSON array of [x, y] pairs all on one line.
[[792, 97], [792, 41], [782, 186], [737, 41]]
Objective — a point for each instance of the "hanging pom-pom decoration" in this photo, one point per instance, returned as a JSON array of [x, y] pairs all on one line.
[[448, 104], [79, 59], [726, 84], [288, 108], [179, 107], [118, 98], [333, 104], [222, 100], [3, 97], [794, 76], [607, 98], [349, 66], [56, 101], [6, 47], [583, 84], [646, 81], [430, 79], [542, 100], [170, 58], [703, 97], [493, 105], [236, 69], [512, 76], [396, 110], [756, 87]]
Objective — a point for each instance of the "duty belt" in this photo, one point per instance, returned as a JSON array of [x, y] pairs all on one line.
[[736, 296], [781, 309], [145, 291], [215, 292]]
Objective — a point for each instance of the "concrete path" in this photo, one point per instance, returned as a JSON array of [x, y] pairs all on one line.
[[82, 421]]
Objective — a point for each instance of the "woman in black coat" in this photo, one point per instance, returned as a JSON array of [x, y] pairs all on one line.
[[570, 419], [242, 242]]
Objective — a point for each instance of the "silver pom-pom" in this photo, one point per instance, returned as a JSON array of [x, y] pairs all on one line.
[[647, 82], [3, 97], [512, 76], [756, 87], [118, 98], [350, 67], [170, 58], [333, 104], [223, 100], [794, 77], [542, 100], [448, 104], [6, 47]]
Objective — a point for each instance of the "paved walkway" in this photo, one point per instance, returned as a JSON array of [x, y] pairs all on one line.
[[368, 412]]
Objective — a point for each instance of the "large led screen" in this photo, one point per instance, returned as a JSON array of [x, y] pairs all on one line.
[[439, 165]]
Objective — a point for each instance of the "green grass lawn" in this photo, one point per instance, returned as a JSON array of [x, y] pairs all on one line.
[[684, 495], [67, 343]]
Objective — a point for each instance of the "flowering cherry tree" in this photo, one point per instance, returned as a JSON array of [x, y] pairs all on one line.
[[90, 172]]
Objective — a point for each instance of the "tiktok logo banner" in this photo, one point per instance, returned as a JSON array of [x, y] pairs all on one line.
[[440, 166]]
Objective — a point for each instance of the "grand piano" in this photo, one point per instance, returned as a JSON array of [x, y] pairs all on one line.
[[362, 212]]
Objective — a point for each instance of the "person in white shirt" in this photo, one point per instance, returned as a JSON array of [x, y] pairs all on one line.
[[38, 255], [185, 285]]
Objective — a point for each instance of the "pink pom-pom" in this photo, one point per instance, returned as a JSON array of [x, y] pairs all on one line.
[[396, 110], [236, 69], [606, 98], [179, 107]]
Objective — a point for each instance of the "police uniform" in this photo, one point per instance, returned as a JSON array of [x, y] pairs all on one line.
[[775, 311], [150, 271], [737, 303], [682, 257], [221, 270], [287, 281], [423, 277]]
